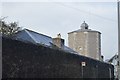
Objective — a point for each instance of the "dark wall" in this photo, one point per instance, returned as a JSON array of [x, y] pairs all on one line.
[[25, 60]]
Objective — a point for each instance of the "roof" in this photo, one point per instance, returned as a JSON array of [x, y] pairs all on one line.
[[38, 38], [114, 57], [84, 30], [34, 37], [69, 50]]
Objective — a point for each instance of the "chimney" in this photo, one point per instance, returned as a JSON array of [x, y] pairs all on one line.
[[58, 41]]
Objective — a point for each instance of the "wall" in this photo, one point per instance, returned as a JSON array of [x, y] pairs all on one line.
[[87, 43], [25, 60]]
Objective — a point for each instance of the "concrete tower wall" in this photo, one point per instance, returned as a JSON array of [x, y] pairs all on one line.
[[86, 43], [93, 45]]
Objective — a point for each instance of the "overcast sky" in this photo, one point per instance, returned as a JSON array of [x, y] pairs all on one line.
[[51, 18]]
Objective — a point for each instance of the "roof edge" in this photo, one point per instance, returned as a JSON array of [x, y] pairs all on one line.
[[80, 30], [37, 33]]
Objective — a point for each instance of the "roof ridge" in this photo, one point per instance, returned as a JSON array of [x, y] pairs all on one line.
[[30, 35], [37, 33]]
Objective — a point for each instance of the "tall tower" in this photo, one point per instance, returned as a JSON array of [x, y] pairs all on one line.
[[86, 42]]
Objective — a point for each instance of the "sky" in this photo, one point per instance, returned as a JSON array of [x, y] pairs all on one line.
[[53, 17]]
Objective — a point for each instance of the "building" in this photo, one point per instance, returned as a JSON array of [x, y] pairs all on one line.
[[31, 49], [114, 62], [29, 61], [86, 42], [30, 36]]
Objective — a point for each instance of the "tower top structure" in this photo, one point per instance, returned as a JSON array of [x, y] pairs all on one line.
[[84, 26]]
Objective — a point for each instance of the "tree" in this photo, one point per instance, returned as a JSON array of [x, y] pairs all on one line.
[[8, 29]]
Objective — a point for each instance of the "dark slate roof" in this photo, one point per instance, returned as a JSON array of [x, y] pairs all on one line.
[[70, 50], [34, 37], [37, 38]]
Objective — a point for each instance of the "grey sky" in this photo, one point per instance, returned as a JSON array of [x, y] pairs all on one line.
[[51, 18]]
